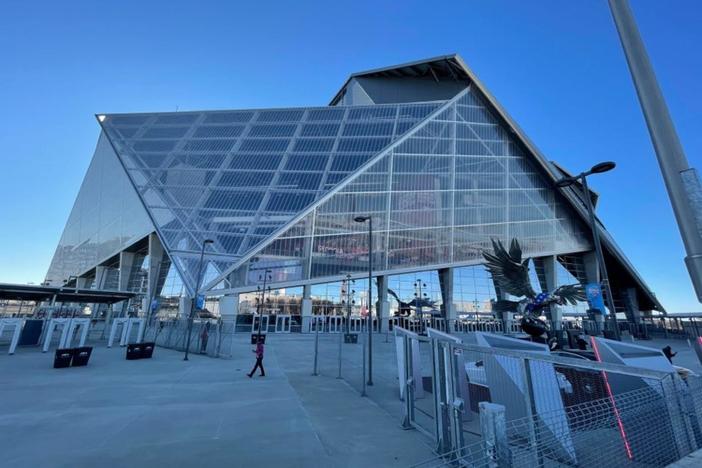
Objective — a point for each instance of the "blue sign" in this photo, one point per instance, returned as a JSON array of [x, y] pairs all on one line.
[[593, 292], [154, 305], [200, 302]]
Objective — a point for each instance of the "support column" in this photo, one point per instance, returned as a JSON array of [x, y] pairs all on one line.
[[306, 307], [631, 304], [448, 308], [229, 307], [100, 275], [592, 275], [184, 306], [551, 278], [382, 307], [126, 260], [156, 253]]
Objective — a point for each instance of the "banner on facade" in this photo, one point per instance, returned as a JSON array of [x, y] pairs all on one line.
[[593, 292]]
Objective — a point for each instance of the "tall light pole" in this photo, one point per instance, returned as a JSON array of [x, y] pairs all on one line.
[[363, 219], [193, 304], [681, 181], [601, 269]]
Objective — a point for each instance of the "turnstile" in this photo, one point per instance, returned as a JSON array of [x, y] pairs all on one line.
[[127, 325], [68, 327], [16, 323], [335, 324], [356, 325], [283, 323], [264, 319]]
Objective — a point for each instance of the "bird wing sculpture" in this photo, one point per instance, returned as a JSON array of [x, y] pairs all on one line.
[[569, 293], [508, 270]]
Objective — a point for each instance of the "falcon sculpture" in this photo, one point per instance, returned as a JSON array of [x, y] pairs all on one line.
[[511, 275]]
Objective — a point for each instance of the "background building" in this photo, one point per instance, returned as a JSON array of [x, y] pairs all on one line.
[[421, 147]]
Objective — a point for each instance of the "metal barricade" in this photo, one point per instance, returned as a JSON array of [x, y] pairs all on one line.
[[410, 379], [556, 410]]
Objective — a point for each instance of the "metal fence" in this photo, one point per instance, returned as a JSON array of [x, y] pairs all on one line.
[[551, 410], [210, 337]]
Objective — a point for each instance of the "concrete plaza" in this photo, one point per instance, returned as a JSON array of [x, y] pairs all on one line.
[[204, 412], [207, 412]]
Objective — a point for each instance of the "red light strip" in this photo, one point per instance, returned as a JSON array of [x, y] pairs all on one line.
[[611, 398]]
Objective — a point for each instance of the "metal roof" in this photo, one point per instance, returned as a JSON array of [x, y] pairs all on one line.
[[30, 292], [443, 67]]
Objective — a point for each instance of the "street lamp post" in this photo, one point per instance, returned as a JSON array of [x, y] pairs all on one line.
[[419, 298], [347, 299], [363, 219], [193, 304], [601, 269], [260, 302]]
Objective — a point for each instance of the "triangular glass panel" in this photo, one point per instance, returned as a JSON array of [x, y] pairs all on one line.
[[237, 177]]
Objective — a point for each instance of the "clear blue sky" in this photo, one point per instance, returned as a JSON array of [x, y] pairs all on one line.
[[556, 66]]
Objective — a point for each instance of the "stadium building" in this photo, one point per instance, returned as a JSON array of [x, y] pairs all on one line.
[[422, 148]]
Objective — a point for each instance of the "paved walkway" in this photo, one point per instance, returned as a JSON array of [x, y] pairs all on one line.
[[686, 356], [204, 412]]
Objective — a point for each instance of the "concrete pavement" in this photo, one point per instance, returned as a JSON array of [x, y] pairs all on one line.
[[204, 412]]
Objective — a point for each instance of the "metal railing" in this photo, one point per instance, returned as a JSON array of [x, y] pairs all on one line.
[[552, 410]]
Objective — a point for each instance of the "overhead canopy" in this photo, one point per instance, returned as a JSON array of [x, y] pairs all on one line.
[[31, 292]]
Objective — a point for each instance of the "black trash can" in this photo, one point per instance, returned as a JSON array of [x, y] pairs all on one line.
[[351, 338], [134, 351], [81, 356], [147, 350], [255, 338], [62, 358]]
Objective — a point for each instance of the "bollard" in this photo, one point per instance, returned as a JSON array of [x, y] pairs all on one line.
[[363, 377], [341, 341], [316, 346], [494, 430]]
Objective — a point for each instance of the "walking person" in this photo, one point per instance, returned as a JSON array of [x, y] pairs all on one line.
[[259, 357], [668, 351]]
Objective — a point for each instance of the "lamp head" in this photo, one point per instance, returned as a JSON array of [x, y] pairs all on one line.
[[361, 219], [603, 167]]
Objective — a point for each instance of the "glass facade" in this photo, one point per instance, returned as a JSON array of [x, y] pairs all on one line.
[[238, 177], [106, 218], [422, 149], [437, 197]]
